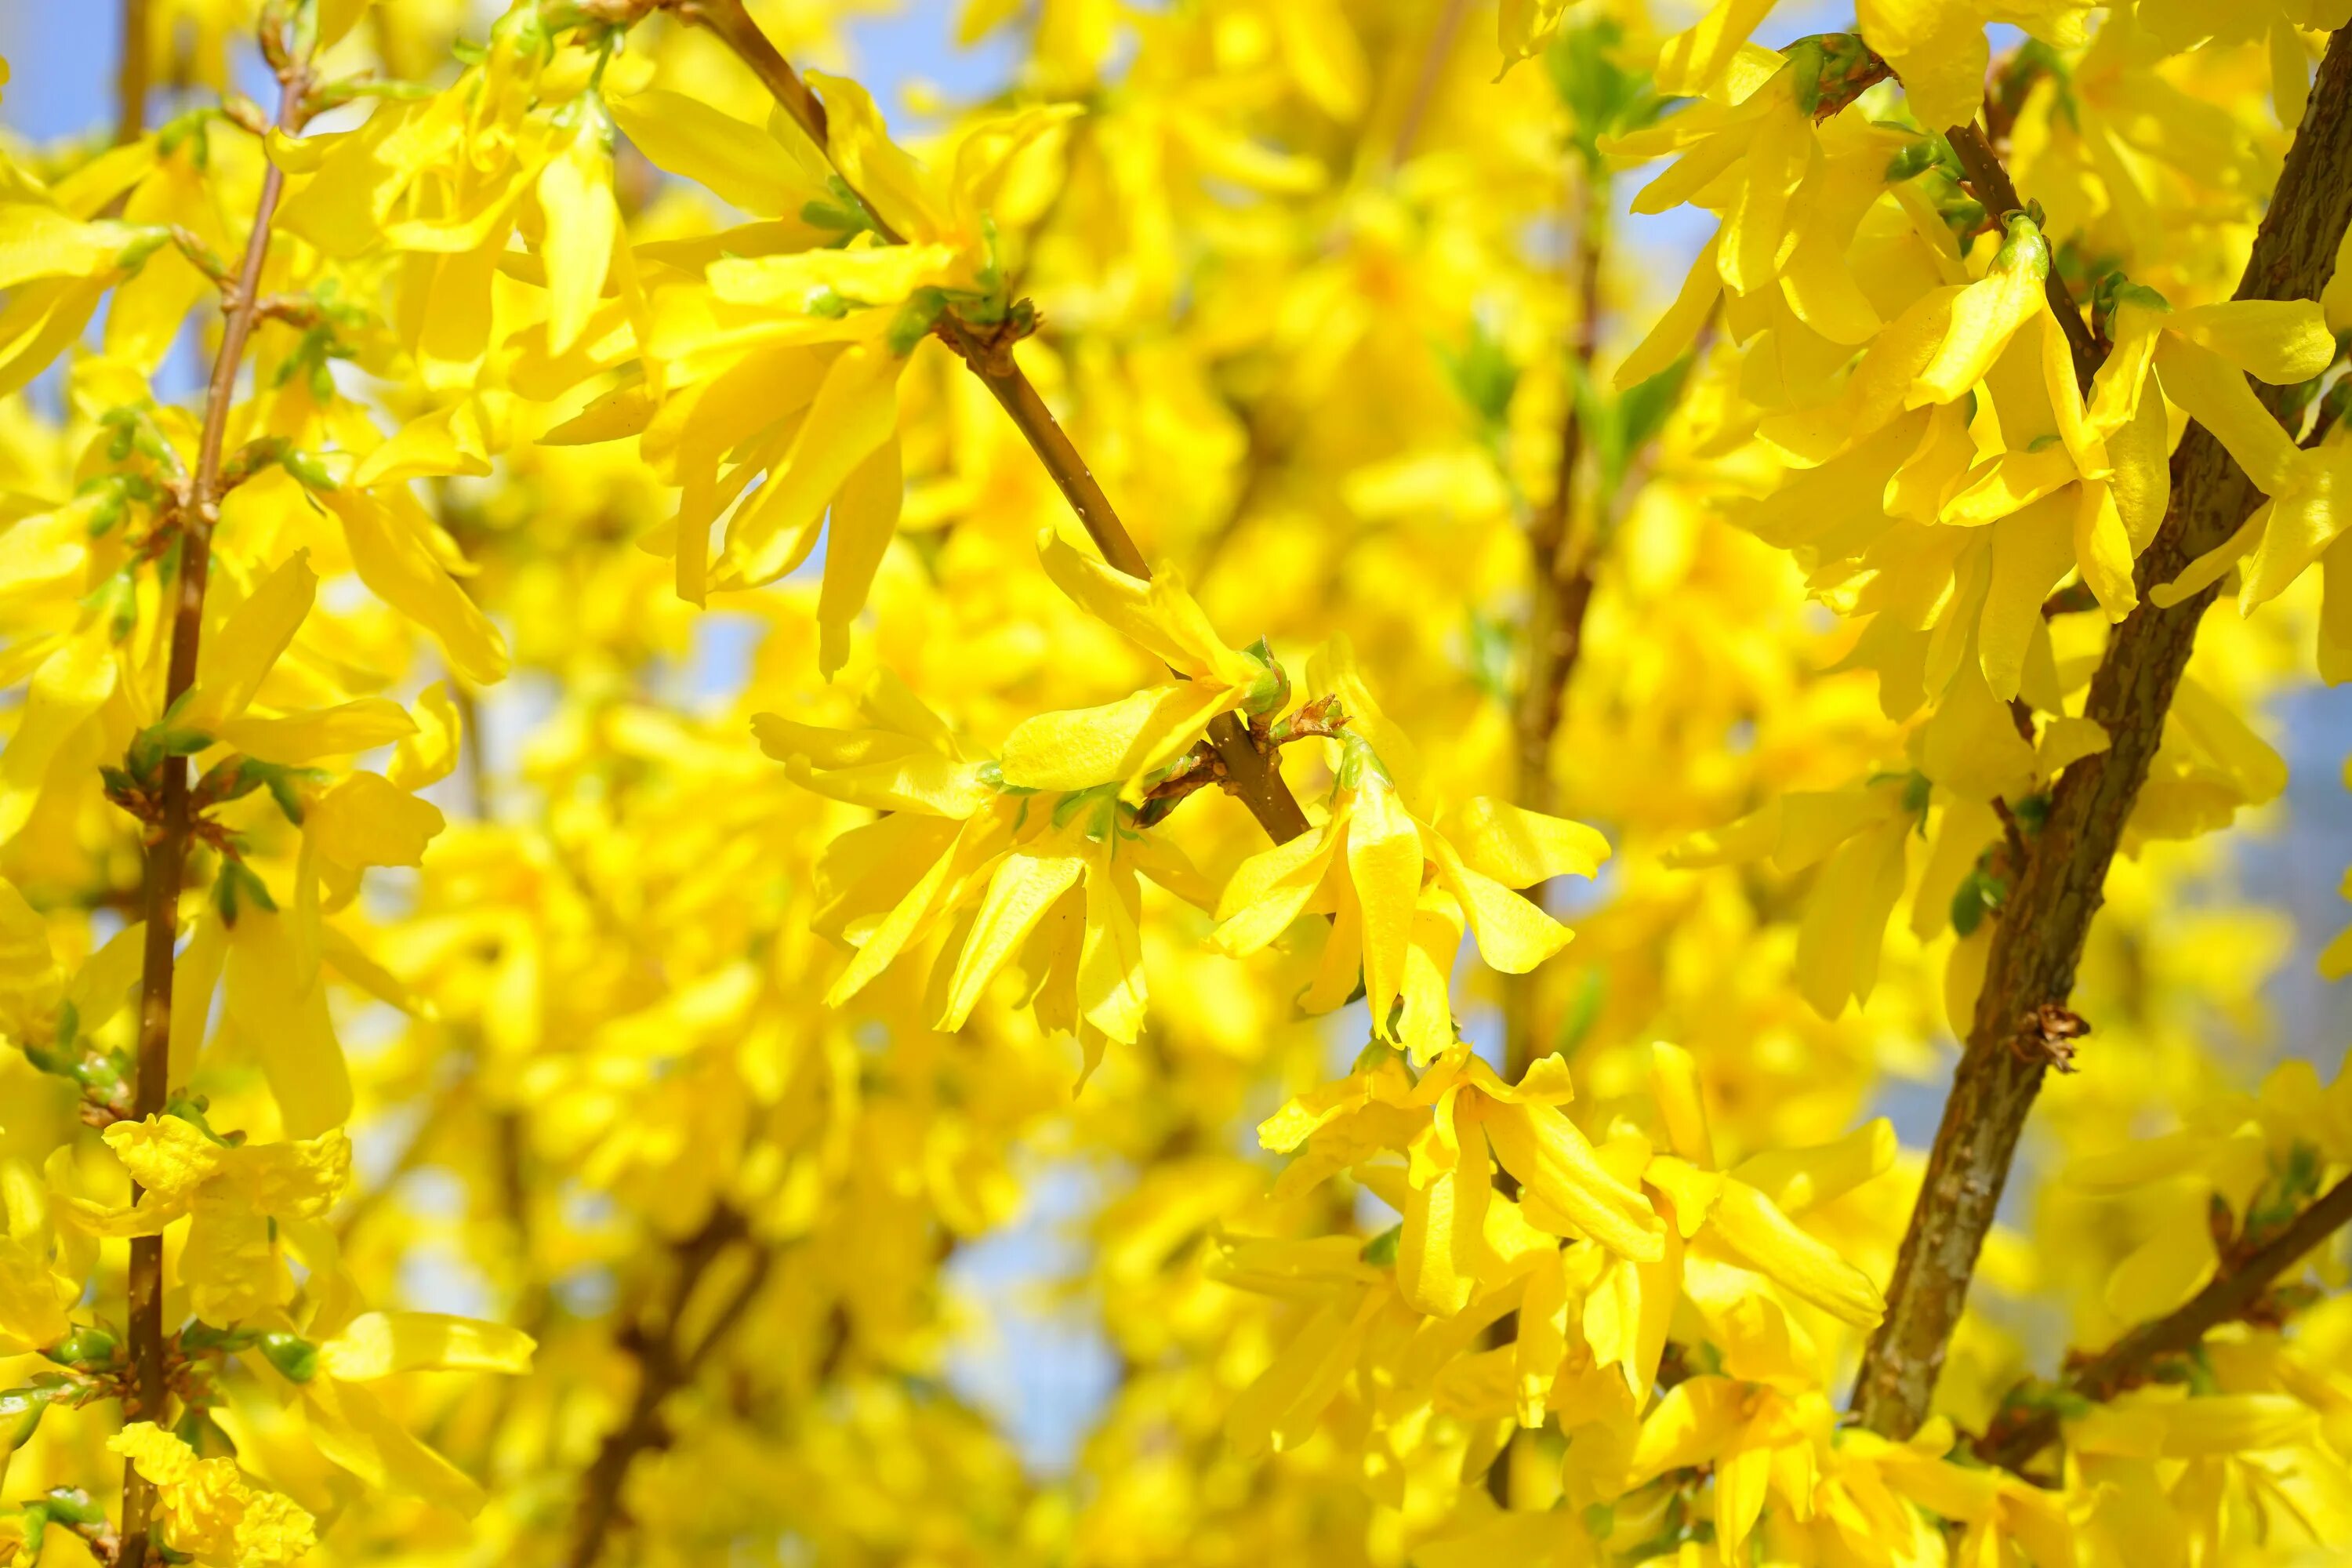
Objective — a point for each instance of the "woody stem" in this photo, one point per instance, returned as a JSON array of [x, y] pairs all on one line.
[[1560, 577], [198, 510]]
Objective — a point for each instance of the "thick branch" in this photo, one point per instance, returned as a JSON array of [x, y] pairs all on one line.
[[664, 1365], [2040, 937], [1255, 772], [2230, 1297], [1992, 185], [167, 854]]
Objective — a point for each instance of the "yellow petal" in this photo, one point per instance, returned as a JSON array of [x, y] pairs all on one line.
[[2032, 549], [2304, 522], [734, 159], [1554, 1161], [368, 820], [1024, 888], [1985, 316], [285, 1022], [343, 730], [2214, 393], [378, 1344], [388, 544], [1679, 327], [1115, 743], [1272, 888], [1844, 928], [864, 520], [1441, 1246], [2278, 341], [1673, 1084], [1521, 848], [576, 194], [1795, 1180], [856, 411], [1693, 59], [1384, 863], [242, 650], [430, 754], [1752, 1228], [1514, 935]]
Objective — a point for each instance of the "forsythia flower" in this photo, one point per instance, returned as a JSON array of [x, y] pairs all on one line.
[[238, 1197], [210, 1512], [1401, 880], [1122, 743], [1006, 874]]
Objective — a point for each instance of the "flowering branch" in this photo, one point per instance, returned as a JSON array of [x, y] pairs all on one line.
[[2047, 917], [1253, 771], [2237, 1292], [1990, 183], [196, 512]]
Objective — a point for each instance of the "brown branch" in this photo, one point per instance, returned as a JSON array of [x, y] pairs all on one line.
[[1562, 579], [665, 1366], [1992, 185], [1255, 772], [1424, 86], [2044, 922], [2233, 1294], [133, 74], [168, 846]]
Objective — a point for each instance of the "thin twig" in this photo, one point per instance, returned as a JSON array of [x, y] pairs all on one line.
[[167, 854], [1424, 86], [1994, 190], [2231, 1295], [1255, 772]]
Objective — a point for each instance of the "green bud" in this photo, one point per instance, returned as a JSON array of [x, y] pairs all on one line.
[[87, 1346], [294, 1356], [21, 1410], [133, 255], [915, 319], [1270, 693], [71, 1505], [309, 468], [2024, 248]]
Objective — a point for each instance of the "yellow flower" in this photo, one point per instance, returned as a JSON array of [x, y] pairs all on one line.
[[1007, 874], [1399, 886], [35, 1292], [209, 1511], [237, 1197], [1123, 742]]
